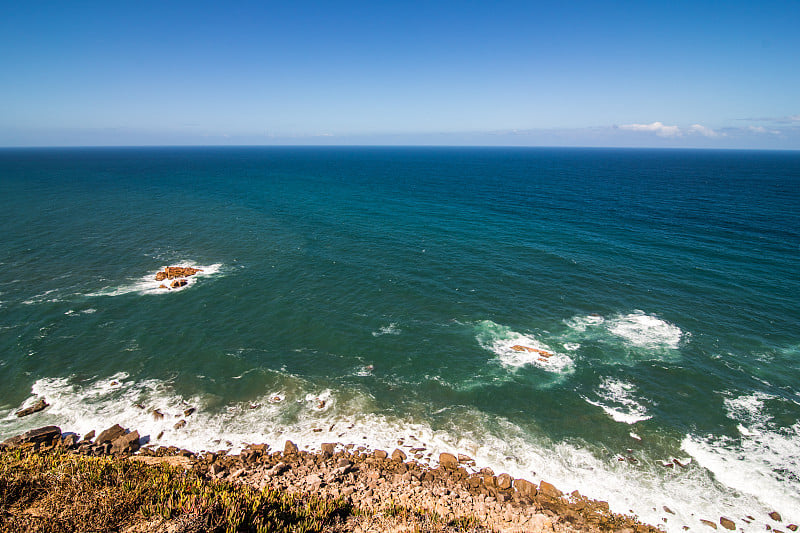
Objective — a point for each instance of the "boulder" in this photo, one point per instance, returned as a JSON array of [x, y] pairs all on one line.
[[69, 441], [464, 458], [180, 424], [448, 460], [35, 408], [290, 448], [549, 490], [775, 515], [127, 443], [525, 488], [792, 527], [398, 455], [727, 523], [157, 415], [709, 523], [381, 454], [178, 283], [89, 436], [189, 411], [110, 434], [504, 482], [37, 436], [328, 448]]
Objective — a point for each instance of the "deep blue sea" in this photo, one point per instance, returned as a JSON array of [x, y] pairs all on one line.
[[365, 295]]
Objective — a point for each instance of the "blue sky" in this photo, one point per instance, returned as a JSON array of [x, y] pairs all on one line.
[[671, 74]]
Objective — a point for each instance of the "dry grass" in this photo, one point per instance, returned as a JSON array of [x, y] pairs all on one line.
[[56, 491]]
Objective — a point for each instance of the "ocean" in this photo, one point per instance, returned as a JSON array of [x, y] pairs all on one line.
[[625, 323]]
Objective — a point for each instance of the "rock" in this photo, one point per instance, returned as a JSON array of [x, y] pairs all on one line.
[[775, 515], [180, 424], [128, 443], [162, 286], [161, 276], [549, 490], [290, 448], [448, 460], [178, 283], [69, 441], [668, 510], [398, 455], [37, 436], [727, 523], [525, 488], [709, 523], [328, 448], [504, 482], [35, 408], [189, 411], [157, 415], [89, 436], [380, 454], [792, 527], [464, 458], [110, 434]]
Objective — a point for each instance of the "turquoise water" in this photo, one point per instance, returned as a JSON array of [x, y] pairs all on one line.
[[373, 294]]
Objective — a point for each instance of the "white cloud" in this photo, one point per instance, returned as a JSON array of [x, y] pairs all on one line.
[[702, 130], [662, 130], [762, 129], [656, 127]]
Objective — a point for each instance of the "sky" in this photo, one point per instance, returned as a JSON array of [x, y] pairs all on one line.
[[696, 74]]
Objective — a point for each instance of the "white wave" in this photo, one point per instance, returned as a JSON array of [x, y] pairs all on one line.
[[571, 346], [42, 298], [763, 462], [391, 329], [349, 417], [515, 350], [148, 284], [645, 331], [616, 399], [580, 323]]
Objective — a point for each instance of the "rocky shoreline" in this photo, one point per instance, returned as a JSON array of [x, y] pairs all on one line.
[[373, 481]]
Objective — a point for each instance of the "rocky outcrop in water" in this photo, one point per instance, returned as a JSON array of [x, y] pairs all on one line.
[[35, 408], [177, 272]]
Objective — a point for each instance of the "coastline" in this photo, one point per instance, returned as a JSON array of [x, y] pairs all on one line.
[[388, 490]]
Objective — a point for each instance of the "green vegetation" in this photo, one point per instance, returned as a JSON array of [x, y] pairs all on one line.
[[56, 491]]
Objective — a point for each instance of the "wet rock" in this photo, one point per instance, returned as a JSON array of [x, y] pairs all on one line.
[[549, 490], [128, 443], [189, 411], [35, 408], [178, 283], [398, 455], [464, 458], [448, 460], [504, 482], [110, 434], [775, 515], [668, 510], [157, 415], [709, 523], [727, 523], [176, 272], [792, 527], [180, 424], [290, 448]]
